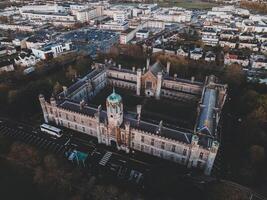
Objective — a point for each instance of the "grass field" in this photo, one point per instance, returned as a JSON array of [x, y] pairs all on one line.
[[189, 4]]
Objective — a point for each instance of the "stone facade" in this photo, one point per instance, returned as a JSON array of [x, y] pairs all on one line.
[[192, 148]]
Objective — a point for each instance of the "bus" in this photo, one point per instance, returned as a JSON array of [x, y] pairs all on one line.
[[51, 130]]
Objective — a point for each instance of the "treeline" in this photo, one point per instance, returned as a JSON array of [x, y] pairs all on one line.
[[27, 173], [19, 93], [256, 6]]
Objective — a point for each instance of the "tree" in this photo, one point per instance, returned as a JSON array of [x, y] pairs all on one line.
[[71, 73], [24, 154], [57, 88], [257, 154], [234, 75]]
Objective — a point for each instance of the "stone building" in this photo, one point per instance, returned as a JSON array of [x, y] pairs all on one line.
[[193, 148]]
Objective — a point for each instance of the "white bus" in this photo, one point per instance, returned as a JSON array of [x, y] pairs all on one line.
[[51, 130]]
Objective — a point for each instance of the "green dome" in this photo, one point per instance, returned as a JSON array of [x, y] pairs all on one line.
[[114, 98]]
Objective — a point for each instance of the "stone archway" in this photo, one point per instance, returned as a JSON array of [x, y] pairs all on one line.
[[113, 144]]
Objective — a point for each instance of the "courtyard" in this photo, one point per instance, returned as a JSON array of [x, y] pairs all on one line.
[[174, 113]]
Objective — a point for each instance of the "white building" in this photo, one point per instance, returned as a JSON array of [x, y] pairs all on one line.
[[233, 58], [258, 62], [6, 66], [142, 34], [86, 14], [51, 50], [115, 26], [172, 15], [196, 54], [48, 8], [25, 60], [210, 36]]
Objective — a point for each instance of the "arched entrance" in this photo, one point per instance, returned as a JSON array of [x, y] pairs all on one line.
[[113, 144]]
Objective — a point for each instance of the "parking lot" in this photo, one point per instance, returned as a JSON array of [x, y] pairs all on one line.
[[35, 138], [99, 160]]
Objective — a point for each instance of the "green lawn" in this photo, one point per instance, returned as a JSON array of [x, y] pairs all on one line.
[[193, 4]]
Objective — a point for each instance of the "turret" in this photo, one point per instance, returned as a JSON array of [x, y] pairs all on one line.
[[211, 157], [147, 63], [168, 67], [138, 81], [159, 82], [114, 109], [44, 108]]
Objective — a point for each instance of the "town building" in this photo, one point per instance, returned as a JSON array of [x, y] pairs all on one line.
[[112, 126]]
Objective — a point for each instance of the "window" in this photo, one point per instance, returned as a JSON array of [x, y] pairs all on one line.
[[163, 145], [67, 116], [148, 84], [82, 121], [152, 142], [68, 124], [201, 155], [132, 144], [198, 164], [74, 118], [59, 114], [184, 152], [142, 147], [142, 138], [132, 136], [83, 129], [173, 148], [151, 151], [75, 126], [51, 110]]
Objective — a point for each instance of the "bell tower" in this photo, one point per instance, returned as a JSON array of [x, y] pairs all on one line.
[[114, 109]]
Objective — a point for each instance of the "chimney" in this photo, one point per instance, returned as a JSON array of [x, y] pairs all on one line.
[[114, 64], [168, 67], [119, 66], [139, 110], [147, 63], [160, 126], [175, 76], [133, 69], [192, 79], [82, 104], [65, 91], [99, 108]]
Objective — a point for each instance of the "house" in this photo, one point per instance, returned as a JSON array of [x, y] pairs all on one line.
[[182, 52], [210, 36], [258, 62], [228, 34], [262, 37], [264, 47], [236, 58], [210, 56], [6, 66], [26, 60], [230, 42], [246, 36], [249, 44], [196, 54], [3, 51]]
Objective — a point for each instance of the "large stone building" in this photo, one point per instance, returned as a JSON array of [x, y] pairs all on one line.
[[114, 127]]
